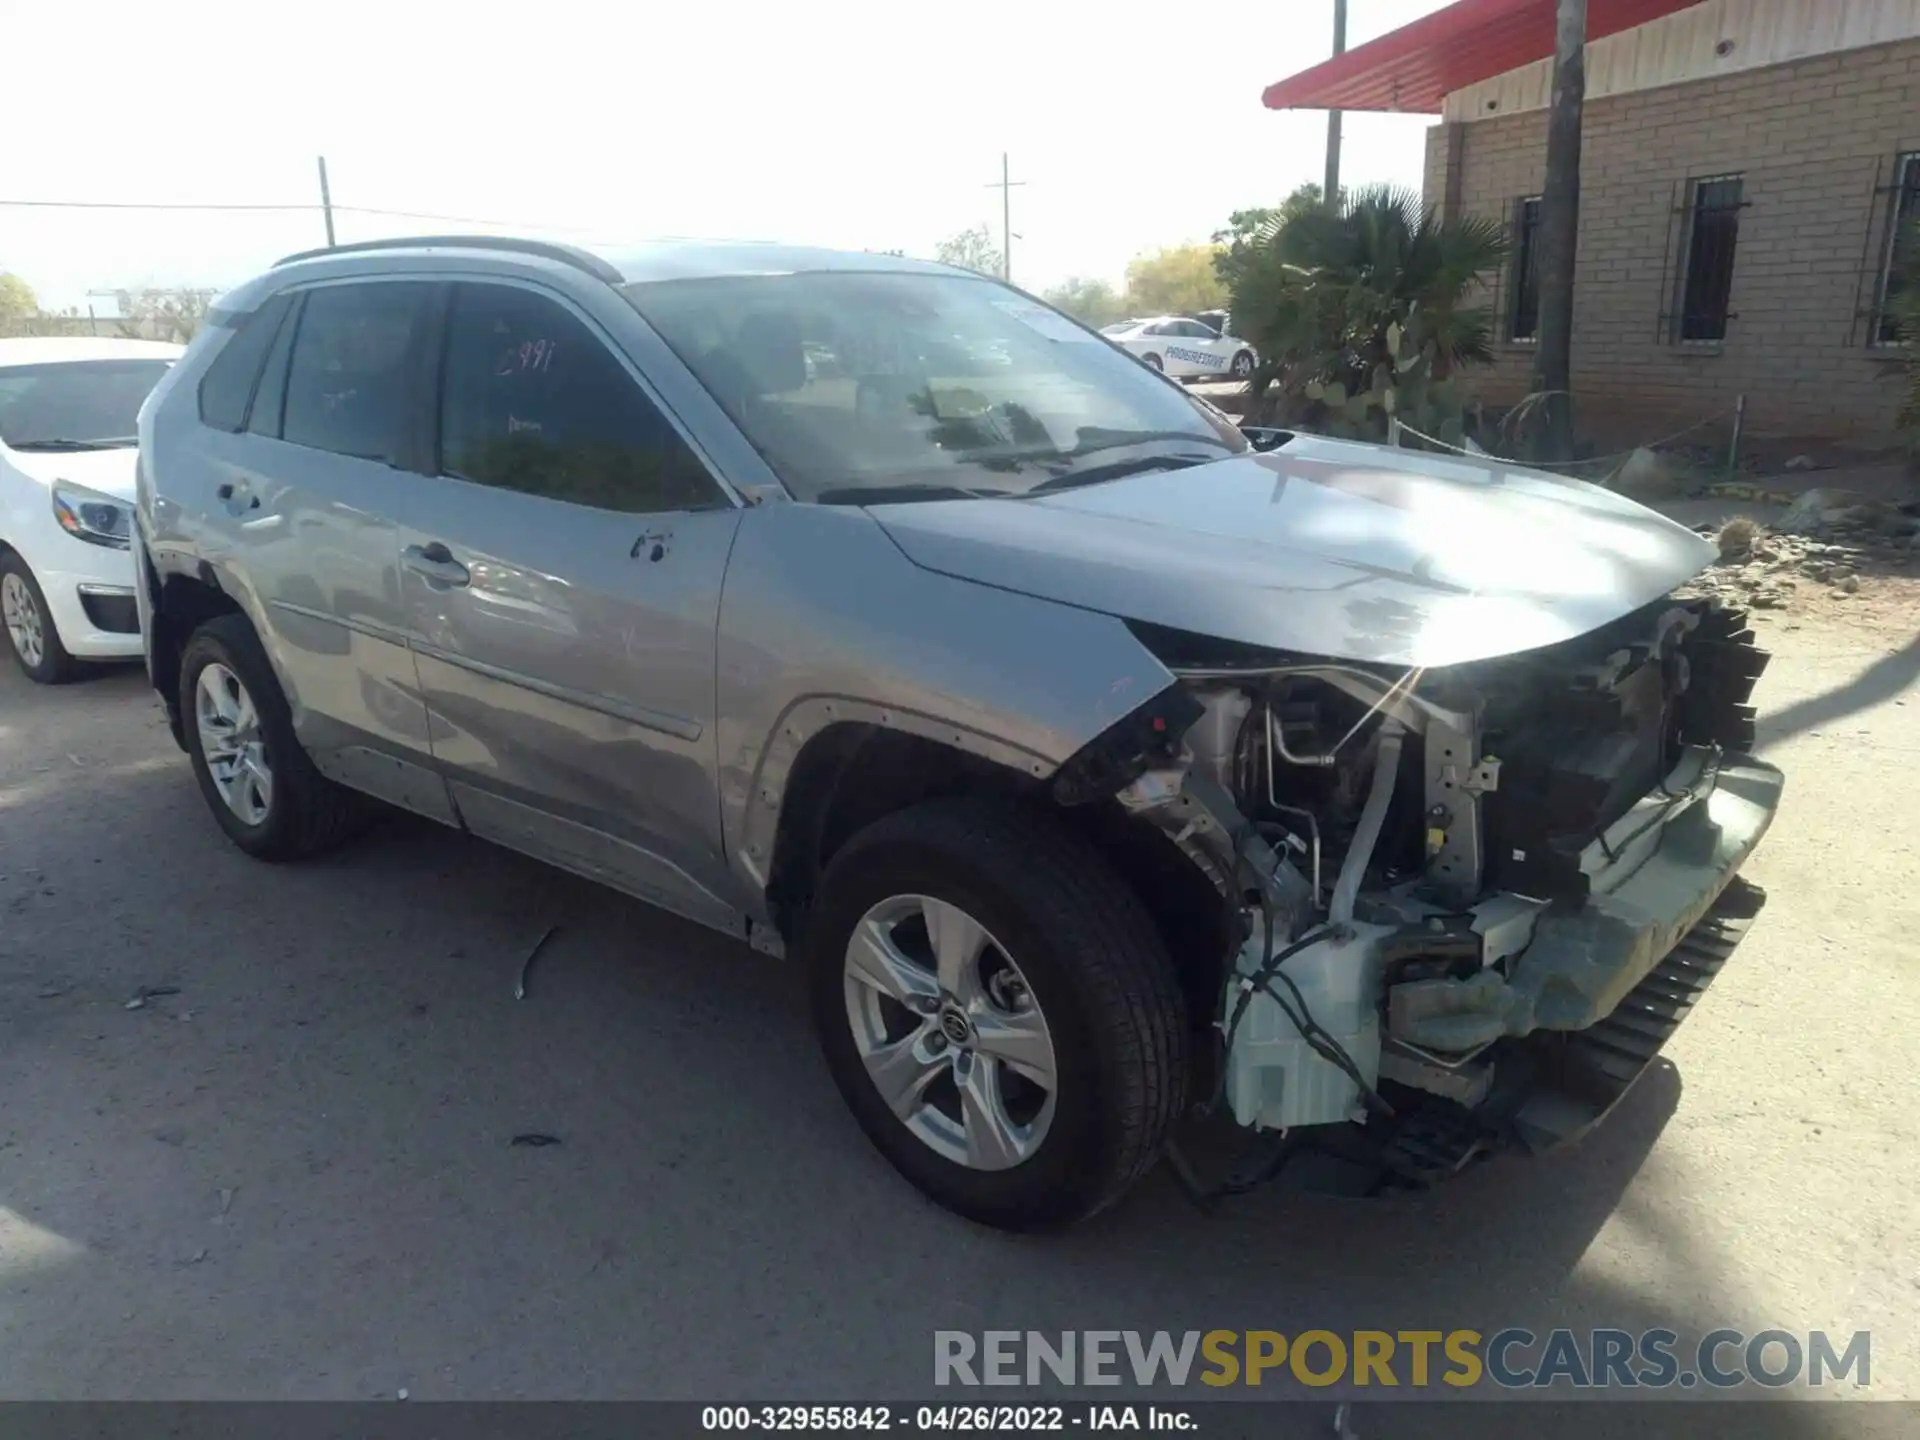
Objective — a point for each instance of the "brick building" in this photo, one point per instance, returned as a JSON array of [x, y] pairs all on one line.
[[1750, 184]]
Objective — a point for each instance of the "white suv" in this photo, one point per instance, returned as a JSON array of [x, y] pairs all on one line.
[[68, 412]]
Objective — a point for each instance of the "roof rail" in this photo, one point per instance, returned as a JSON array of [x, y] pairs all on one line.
[[566, 254]]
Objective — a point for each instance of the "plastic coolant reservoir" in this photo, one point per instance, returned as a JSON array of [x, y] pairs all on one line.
[[1274, 1079]]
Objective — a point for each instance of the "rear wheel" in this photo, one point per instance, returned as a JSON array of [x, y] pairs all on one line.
[[997, 1009], [254, 774], [1242, 365], [29, 625]]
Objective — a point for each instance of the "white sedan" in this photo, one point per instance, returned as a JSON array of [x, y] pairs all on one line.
[[68, 409], [1185, 349]]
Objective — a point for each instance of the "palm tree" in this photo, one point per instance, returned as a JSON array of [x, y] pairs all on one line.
[[1328, 298]]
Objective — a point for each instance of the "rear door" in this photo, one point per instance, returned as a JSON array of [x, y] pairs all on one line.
[[562, 571], [309, 480]]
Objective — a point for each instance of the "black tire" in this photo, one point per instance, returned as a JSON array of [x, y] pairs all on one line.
[[1242, 365], [1096, 966], [1152, 362], [307, 812], [55, 666]]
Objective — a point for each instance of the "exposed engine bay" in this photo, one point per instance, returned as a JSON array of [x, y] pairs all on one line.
[[1444, 874]]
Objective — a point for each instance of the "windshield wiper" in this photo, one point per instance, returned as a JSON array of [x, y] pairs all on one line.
[[897, 494], [62, 445], [1093, 439], [1094, 474]]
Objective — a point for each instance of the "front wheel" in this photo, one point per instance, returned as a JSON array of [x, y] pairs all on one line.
[[1152, 362], [998, 1011], [29, 624]]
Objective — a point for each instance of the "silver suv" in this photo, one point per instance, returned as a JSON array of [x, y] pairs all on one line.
[[1101, 763]]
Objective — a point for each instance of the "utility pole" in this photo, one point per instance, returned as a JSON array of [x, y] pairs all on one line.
[[1330, 192], [1560, 230], [326, 201], [1007, 237]]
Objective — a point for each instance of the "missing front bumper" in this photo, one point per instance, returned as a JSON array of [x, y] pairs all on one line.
[[1555, 1086]]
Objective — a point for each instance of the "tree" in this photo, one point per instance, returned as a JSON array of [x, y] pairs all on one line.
[[1244, 227], [971, 250], [1180, 281], [1355, 306], [1093, 302], [153, 314], [17, 300]]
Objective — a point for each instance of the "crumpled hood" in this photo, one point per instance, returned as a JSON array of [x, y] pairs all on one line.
[[1326, 548], [111, 472]]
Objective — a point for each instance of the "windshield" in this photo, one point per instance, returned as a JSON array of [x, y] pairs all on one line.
[[862, 387], [74, 404]]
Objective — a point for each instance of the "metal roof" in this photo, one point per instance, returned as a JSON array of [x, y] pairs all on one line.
[[1414, 68]]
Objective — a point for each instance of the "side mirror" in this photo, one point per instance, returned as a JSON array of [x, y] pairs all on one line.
[[1264, 437]]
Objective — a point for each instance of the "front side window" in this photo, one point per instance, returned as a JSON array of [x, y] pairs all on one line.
[[1707, 281], [532, 400], [75, 404], [940, 383], [349, 380]]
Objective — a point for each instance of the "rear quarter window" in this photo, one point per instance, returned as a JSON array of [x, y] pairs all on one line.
[[349, 378], [226, 390]]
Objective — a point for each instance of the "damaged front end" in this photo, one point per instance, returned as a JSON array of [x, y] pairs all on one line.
[[1472, 901]]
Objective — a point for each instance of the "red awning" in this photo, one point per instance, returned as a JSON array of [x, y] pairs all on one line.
[[1415, 67]]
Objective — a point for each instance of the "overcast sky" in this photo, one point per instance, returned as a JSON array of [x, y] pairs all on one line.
[[857, 123]]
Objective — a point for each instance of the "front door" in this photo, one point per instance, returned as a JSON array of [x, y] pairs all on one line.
[[563, 572], [1199, 351]]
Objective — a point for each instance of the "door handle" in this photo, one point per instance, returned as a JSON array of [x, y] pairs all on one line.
[[435, 563], [237, 497]]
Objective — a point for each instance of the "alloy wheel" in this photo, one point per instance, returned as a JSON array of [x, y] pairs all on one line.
[[25, 627], [950, 1032], [231, 743]]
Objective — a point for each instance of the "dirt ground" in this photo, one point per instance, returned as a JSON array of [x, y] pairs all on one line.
[[289, 1171]]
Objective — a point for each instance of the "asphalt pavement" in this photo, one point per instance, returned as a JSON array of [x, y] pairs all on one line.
[[257, 1122]]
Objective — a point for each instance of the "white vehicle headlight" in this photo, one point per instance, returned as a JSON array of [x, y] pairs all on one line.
[[90, 516]]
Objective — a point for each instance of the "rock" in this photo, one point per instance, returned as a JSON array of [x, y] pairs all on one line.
[[1800, 462], [1851, 584], [1647, 475], [1841, 575], [1803, 516], [1768, 599]]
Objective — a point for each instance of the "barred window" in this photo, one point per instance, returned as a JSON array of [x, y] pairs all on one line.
[[1902, 268], [1707, 281], [1523, 303]]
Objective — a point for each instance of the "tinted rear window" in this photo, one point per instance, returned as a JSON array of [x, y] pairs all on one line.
[[227, 388]]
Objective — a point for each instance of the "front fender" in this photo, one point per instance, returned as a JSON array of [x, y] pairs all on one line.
[[824, 620]]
